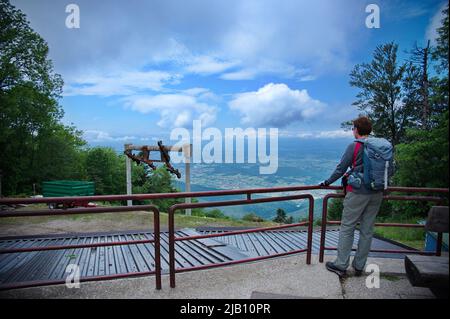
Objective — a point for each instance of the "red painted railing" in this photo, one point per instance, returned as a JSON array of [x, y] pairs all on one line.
[[438, 200], [249, 200], [92, 210], [172, 239]]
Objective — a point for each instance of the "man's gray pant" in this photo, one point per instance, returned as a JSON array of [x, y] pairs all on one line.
[[363, 208]]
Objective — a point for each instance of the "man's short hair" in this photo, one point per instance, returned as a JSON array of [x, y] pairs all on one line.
[[363, 125]]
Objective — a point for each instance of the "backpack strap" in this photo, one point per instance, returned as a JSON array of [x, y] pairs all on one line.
[[355, 153], [358, 145]]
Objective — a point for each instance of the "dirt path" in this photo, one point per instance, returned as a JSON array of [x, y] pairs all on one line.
[[139, 220], [18, 226]]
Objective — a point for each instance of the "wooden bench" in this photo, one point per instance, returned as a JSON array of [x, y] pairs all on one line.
[[431, 271]]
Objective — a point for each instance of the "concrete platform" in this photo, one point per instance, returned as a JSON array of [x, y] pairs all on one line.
[[281, 276]]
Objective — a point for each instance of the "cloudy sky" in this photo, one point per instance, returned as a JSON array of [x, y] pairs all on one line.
[[136, 69]]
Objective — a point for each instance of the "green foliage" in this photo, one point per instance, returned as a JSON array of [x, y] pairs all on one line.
[[318, 222], [389, 92], [440, 52], [104, 168], [439, 84], [282, 218], [424, 161], [216, 213], [58, 154], [34, 146], [394, 96], [335, 207], [412, 237], [252, 217], [160, 181]]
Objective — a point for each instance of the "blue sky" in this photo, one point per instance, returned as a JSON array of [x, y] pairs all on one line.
[[136, 69]]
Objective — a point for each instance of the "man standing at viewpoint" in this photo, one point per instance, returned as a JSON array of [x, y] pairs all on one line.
[[360, 205]]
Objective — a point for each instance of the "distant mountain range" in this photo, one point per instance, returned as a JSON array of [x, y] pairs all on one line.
[[300, 162]]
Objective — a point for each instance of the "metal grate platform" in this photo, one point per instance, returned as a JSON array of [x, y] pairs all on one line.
[[112, 260]]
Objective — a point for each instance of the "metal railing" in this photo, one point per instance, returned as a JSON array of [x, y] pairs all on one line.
[[171, 223], [157, 272], [91, 210], [249, 200], [439, 200]]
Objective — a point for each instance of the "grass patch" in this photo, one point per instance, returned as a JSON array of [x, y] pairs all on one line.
[[197, 221], [126, 220], [413, 237], [390, 277]]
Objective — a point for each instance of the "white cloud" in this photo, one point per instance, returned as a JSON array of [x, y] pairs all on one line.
[[435, 22], [275, 105], [196, 91], [175, 110], [101, 136], [245, 74], [264, 67], [202, 94], [189, 62], [230, 68], [206, 65], [316, 35], [325, 134], [124, 83]]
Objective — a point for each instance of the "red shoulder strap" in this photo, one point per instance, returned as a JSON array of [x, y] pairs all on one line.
[[355, 153]]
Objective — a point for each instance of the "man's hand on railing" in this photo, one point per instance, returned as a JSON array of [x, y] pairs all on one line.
[[324, 183]]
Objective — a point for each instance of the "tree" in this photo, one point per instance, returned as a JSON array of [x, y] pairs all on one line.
[[252, 217], [33, 144], [440, 51], [160, 181], [105, 168], [57, 154], [281, 216], [424, 160], [424, 163], [389, 93], [420, 57], [439, 84]]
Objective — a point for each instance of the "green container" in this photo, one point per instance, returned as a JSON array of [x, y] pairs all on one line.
[[67, 188]]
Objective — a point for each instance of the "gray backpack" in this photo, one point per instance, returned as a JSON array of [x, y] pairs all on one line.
[[378, 155]]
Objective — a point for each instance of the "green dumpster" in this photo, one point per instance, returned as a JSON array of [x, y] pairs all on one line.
[[65, 188]]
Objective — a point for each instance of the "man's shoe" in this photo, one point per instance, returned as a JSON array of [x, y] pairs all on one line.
[[331, 267], [358, 273]]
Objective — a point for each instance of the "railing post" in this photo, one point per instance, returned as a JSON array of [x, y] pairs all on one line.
[[439, 245], [310, 229], [172, 247], [323, 228], [156, 235]]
